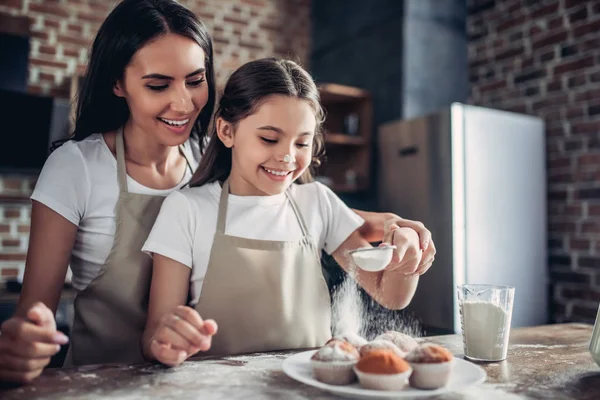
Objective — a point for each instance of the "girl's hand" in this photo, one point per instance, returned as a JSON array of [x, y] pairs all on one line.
[[181, 334], [407, 256], [27, 344], [424, 237]]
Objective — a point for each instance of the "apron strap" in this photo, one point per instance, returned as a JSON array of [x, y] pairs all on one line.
[[121, 168], [187, 158], [299, 217], [222, 215]]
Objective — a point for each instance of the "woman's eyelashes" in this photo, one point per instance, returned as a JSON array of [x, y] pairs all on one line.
[[274, 141], [196, 82], [160, 88]]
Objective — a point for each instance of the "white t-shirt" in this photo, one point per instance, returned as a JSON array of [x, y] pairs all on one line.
[[79, 182], [187, 223]]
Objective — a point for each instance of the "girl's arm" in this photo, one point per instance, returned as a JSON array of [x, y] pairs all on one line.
[[173, 331], [30, 337], [395, 286]]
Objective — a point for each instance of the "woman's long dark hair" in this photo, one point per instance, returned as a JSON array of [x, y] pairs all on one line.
[[131, 25], [247, 88]]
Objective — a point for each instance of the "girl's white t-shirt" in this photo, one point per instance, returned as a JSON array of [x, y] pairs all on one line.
[[79, 182], [187, 222]]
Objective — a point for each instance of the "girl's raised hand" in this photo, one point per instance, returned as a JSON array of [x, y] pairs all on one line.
[[181, 334]]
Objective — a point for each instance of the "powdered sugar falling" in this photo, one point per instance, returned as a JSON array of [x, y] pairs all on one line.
[[352, 314]]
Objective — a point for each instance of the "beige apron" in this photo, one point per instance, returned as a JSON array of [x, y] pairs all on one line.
[[110, 313], [264, 295]]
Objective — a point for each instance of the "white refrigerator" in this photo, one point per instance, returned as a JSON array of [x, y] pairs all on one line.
[[476, 177]]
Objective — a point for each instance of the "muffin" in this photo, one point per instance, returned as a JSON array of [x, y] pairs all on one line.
[[381, 345], [432, 365], [404, 342], [352, 338], [333, 362], [382, 370]]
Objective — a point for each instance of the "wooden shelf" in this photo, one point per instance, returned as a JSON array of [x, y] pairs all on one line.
[[340, 138], [348, 157], [332, 92]]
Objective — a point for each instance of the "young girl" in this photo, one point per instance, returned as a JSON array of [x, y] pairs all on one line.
[[245, 240]]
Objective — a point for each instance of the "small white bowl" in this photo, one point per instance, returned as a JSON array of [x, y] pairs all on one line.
[[373, 259]]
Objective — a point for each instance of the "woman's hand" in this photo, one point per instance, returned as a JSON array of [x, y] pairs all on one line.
[[407, 255], [377, 225], [181, 334], [397, 231], [27, 344]]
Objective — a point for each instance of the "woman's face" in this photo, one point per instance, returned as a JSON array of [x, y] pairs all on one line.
[[165, 88]]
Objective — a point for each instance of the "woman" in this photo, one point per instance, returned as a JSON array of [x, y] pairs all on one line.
[[142, 111]]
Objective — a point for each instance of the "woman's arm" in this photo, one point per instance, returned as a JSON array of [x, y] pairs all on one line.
[[51, 241], [30, 337], [395, 286], [173, 331], [377, 223]]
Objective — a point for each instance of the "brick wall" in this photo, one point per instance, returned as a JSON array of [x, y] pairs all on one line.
[[542, 57], [62, 32], [14, 224]]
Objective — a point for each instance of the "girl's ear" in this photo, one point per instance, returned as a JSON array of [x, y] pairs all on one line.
[[225, 132], [117, 89]]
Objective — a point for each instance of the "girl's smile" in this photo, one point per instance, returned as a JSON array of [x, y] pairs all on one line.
[[276, 174]]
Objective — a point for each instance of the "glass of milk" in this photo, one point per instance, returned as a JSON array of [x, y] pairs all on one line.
[[485, 314], [595, 341]]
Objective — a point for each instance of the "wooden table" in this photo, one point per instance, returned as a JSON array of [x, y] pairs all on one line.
[[545, 362]]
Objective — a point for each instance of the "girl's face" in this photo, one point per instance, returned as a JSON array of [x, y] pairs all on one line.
[[282, 126], [165, 88]]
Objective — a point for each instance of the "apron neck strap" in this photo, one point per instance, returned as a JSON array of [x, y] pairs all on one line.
[[121, 168], [222, 216], [187, 158], [297, 212]]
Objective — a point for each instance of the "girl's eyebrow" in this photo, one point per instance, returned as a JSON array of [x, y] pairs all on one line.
[[279, 130], [170, 78]]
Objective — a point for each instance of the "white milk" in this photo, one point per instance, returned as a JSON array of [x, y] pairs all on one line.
[[485, 330]]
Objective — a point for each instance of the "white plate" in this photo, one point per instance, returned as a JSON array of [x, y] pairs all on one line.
[[464, 374]]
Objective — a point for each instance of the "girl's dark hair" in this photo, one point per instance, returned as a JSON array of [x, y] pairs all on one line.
[[247, 88], [130, 26]]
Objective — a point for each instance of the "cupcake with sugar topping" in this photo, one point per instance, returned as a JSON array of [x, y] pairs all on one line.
[[333, 362], [381, 345], [432, 365], [353, 338], [404, 342], [382, 370]]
